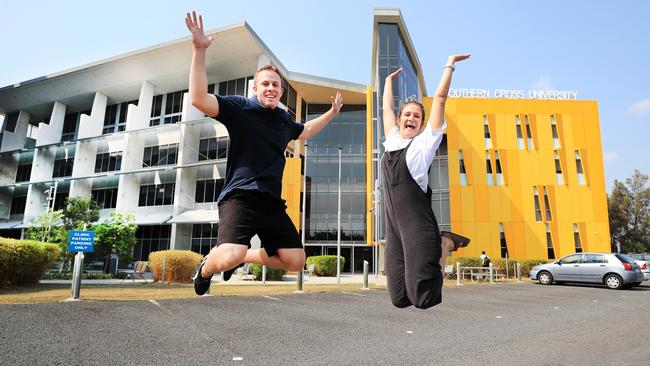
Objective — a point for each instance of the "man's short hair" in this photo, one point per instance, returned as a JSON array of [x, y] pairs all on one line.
[[270, 68]]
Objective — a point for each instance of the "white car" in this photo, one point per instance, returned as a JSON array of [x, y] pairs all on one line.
[[643, 260], [614, 270]]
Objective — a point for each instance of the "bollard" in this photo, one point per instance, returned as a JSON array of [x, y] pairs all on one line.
[[163, 271], [519, 272], [365, 276], [76, 274], [507, 266], [458, 276], [300, 280], [263, 275], [491, 273]]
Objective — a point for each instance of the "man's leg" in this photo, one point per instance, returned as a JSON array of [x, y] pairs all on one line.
[[290, 259], [223, 257]]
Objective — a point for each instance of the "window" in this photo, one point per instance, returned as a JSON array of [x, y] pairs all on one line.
[[11, 121], [167, 108], [504, 245], [208, 190], [69, 132], [520, 135], [159, 155], [204, 237], [106, 198], [581, 174], [108, 162], [556, 138], [549, 243], [463, 173], [572, 259], [109, 119], [529, 134], [558, 169], [63, 167], [538, 209], [60, 200], [595, 258], [214, 148], [488, 169], [156, 194], [23, 172], [18, 205], [235, 87], [498, 166], [576, 239], [486, 132], [547, 206], [151, 239]]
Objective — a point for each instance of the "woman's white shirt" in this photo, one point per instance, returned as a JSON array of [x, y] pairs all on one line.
[[420, 154]]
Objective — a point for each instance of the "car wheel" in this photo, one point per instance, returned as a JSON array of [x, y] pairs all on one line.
[[545, 278], [614, 281]]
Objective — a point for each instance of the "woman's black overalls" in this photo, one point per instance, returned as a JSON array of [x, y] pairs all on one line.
[[412, 237]]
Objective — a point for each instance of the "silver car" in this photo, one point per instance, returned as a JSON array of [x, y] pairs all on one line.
[[614, 270], [643, 260]]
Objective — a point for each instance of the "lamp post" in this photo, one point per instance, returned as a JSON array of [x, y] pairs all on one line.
[[338, 235]]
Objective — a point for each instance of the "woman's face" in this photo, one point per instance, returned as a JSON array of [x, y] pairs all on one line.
[[410, 121]]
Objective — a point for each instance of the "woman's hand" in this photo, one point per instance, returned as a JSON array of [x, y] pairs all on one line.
[[394, 74], [456, 58]]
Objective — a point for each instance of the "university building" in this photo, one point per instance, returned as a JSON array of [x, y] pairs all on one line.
[[521, 177]]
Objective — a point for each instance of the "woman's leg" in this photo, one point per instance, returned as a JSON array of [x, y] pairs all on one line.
[[394, 267]]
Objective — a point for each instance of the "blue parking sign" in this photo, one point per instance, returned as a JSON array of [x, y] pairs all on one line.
[[81, 241]]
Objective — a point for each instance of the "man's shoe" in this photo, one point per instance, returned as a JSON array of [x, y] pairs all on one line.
[[459, 240], [225, 275], [201, 285]]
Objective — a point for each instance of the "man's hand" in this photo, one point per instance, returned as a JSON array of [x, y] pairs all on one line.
[[337, 102], [195, 27]]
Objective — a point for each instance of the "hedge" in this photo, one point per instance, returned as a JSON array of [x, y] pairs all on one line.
[[272, 274], [325, 265], [24, 262], [179, 265], [500, 263]]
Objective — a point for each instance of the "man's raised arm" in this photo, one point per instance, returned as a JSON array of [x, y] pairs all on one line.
[[198, 90]]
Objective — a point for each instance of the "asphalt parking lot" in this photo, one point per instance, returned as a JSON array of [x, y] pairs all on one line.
[[511, 324]]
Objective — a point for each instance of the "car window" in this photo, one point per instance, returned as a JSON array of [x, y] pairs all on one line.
[[595, 258], [574, 258], [624, 258]]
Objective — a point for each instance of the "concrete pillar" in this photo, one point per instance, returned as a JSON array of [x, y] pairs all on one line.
[[137, 117], [181, 237], [129, 185], [36, 200], [6, 194], [84, 166], [92, 126], [16, 140], [51, 133], [43, 164], [8, 168]]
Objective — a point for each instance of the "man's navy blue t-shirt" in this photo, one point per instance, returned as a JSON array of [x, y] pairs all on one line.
[[258, 139]]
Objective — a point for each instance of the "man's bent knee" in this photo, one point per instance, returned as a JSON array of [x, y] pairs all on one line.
[[293, 259], [227, 256]]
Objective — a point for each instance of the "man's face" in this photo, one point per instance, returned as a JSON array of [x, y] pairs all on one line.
[[268, 88]]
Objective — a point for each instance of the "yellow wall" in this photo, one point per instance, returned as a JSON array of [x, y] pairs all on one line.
[[291, 189], [478, 208]]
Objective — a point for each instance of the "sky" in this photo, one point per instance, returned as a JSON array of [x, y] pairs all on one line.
[[601, 49]]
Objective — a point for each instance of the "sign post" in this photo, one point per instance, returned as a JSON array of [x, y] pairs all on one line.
[[80, 242]]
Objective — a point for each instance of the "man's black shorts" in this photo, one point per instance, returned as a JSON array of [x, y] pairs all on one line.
[[245, 213]]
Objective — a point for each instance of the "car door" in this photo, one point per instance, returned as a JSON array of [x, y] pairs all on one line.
[[593, 269], [568, 268]]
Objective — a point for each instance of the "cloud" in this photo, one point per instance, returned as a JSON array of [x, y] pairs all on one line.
[[611, 156], [640, 108], [543, 83]]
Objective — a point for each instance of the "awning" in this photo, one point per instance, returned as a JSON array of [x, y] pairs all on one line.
[[156, 218], [9, 224], [196, 217]]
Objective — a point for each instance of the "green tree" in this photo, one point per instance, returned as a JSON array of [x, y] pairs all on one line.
[[79, 211], [116, 234], [46, 227], [629, 214]]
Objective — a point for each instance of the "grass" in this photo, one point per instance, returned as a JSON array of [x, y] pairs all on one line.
[[48, 293]]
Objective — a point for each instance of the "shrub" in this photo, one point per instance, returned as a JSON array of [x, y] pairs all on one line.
[[84, 276], [272, 274], [23, 262], [325, 265], [179, 265]]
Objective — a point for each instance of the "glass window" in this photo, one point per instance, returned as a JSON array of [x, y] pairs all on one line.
[[576, 239], [488, 169], [558, 169], [574, 258], [498, 168], [595, 258], [151, 239], [556, 138], [520, 135], [18, 205], [529, 133], [581, 174], [549, 243], [486, 132], [504, 245], [547, 206], [538, 209], [23, 172]]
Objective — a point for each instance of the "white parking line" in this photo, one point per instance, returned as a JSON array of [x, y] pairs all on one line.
[[352, 293], [237, 358], [271, 298], [155, 303]]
